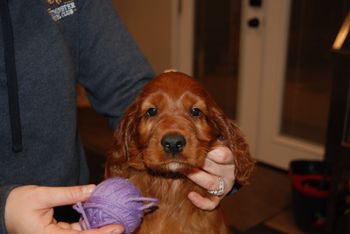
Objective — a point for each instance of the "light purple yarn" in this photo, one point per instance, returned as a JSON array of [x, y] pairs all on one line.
[[114, 201]]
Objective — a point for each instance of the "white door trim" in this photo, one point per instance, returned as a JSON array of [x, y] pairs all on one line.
[[250, 69], [272, 147]]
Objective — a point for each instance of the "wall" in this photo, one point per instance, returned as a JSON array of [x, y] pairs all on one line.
[[149, 22]]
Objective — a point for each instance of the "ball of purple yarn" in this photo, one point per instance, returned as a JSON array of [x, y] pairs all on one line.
[[114, 201]]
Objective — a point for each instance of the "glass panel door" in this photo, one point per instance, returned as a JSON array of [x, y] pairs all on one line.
[[296, 78]]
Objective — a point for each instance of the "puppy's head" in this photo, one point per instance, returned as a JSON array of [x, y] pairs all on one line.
[[171, 127]]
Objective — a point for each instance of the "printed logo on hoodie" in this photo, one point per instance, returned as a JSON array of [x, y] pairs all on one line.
[[59, 9]]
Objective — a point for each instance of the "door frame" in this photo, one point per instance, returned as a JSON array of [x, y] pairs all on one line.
[[272, 147]]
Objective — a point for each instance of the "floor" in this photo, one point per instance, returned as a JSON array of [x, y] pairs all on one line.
[[263, 207]]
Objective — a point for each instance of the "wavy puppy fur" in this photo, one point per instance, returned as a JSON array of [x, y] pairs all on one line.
[[166, 133]]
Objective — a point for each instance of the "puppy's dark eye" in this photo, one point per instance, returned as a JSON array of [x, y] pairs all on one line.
[[195, 111], [152, 111]]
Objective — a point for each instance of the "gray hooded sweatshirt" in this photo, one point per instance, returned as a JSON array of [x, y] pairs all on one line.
[[46, 48]]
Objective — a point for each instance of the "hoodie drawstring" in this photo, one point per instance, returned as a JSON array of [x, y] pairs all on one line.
[[10, 68]]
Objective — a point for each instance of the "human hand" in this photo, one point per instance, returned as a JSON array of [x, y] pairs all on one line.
[[29, 210], [219, 163]]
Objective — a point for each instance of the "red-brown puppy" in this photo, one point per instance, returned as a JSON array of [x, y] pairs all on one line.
[[165, 134]]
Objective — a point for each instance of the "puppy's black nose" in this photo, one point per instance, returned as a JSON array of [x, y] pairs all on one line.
[[173, 143]]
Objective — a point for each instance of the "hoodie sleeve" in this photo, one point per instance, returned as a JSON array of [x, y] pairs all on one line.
[[112, 68], [4, 192]]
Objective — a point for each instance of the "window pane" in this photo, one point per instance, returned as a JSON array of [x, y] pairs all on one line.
[[313, 28]]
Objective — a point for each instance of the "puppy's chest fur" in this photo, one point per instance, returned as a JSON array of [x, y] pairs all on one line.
[[175, 212]]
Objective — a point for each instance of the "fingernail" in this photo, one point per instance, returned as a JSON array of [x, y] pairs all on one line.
[[87, 189]]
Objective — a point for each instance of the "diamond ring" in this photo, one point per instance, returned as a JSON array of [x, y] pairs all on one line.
[[220, 190]]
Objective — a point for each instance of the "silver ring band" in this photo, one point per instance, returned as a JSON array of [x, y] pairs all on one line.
[[220, 190]]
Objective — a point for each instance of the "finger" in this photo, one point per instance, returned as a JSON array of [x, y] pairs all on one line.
[[203, 202], [226, 170], [76, 226], [116, 228], [59, 196], [64, 225], [221, 155], [204, 179], [109, 229], [211, 182]]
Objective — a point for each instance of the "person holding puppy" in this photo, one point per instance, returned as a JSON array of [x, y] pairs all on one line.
[[47, 47]]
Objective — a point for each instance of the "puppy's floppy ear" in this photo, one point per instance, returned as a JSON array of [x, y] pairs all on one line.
[[124, 143], [231, 136]]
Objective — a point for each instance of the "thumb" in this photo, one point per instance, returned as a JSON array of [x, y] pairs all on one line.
[[60, 196]]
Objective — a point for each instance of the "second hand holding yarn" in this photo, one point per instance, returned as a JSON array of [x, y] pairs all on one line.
[[114, 201]]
